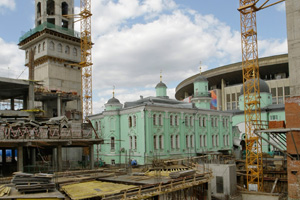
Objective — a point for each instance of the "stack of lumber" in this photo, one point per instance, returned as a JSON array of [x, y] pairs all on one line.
[[30, 183], [4, 190], [182, 173]]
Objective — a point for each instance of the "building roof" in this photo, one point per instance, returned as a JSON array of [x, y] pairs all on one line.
[[262, 85], [200, 78], [154, 100], [160, 84], [113, 100]]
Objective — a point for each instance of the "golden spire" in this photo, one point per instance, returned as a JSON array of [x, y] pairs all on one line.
[[160, 75], [113, 91], [200, 67]]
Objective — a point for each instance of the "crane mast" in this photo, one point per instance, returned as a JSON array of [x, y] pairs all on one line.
[[86, 58], [252, 111]]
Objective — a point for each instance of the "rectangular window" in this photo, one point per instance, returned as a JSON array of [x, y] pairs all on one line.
[[219, 184], [286, 91], [113, 162], [233, 97], [280, 91], [228, 105], [112, 143]]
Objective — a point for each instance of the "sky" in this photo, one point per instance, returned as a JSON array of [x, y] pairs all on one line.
[[134, 40]]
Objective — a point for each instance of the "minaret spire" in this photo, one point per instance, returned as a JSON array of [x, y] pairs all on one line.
[[160, 75], [113, 91]]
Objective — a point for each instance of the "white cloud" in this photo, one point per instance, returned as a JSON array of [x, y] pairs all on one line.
[[7, 4], [12, 61], [280, 7], [272, 47]]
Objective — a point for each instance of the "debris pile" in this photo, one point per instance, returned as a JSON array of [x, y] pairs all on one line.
[[31, 183], [4, 190]]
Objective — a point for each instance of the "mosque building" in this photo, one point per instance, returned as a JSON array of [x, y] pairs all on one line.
[[162, 128]]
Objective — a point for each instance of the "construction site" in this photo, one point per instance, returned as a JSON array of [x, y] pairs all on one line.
[[52, 145]]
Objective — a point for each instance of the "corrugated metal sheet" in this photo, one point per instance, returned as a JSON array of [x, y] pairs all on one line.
[[94, 189]]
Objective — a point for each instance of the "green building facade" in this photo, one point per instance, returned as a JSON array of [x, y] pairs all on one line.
[[160, 128]]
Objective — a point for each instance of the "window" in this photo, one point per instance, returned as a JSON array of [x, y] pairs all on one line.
[[154, 119], [204, 141], [64, 8], [204, 122], [187, 141], [171, 120], [228, 141], [274, 95], [39, 48], [192, 141], [134, 120], [34, 50], [38, 9], [160, 121], [217, 140], [200, 142], [59, 47], [273, 117], [74, 51], [154, 142], [130, 121], [219, 184], [50, 7], [223, 122], [135, 142], [99, 125], [216, 122], [113, 162], [186, 121], [172, 141], [212, 122], [280, 95], [161, 142], [130, 142], [51, 46], [44, 46], [200, 122], [286, 92], [191, 121], [112, 143], [176, 120], [177, 142], [67, 50], [213, 140], [96, 126]]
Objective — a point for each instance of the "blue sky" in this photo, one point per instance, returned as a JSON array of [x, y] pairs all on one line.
[[135, 39]]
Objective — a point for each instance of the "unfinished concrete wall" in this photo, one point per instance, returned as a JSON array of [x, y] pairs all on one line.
[[224, 181], [292, 112], [293, 33]]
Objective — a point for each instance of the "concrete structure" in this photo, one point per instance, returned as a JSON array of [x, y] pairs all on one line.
[[160, 128], [56, 49], [224, 180], [225, 82], [293, 34]]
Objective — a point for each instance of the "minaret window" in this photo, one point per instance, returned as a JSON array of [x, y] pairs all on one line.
[[50, 7], [74, 52], [59, 48], [64, 8], [38, 9], [51, 46], [44, 46], [67, 50], [64, 23]]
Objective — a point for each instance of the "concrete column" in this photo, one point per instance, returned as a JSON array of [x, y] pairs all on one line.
[[91, 156], [59, 158], [20, 166], [208, 191], [33, 156], [58, 105], [12, 104], [223, 93], [25, 102]]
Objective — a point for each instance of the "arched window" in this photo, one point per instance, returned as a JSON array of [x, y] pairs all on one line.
[[171, 120], [191, 121], [172, 141], [34, 50], [44, 46], [176, 120], [217, 140], [177, 142], [74, 51], [154, 142], [51, 46], [213, 140], [160, 120], [134, 120], [187, 141], [161, 142], [59, 47], [154, 119], [216, 122], [228, 141], [130, 121], [200, 142], [204, 141], [135, 142], [96, 126], [204, 121], [130, 142], [200, 122], [224, 140], [64, 8], [212, 122], [186, 121], [39, 48], [38, 9], [50, 7], [192, 141], [67, 50], [112, 143]]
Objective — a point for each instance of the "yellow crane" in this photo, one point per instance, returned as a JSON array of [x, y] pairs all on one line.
[[252, 112], [86, 63]]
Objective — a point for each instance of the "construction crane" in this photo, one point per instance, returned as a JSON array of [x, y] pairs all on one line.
[[86, 63], [252, 111]]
